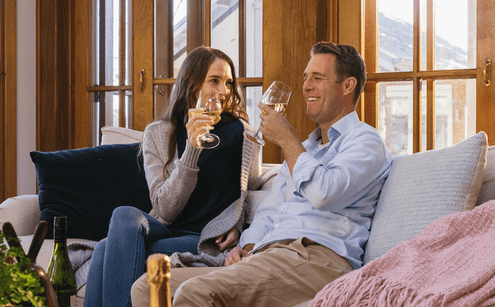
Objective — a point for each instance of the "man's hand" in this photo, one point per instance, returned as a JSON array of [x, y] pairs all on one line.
[[228, 239], [237, 254], [275, 126], [279, 131]]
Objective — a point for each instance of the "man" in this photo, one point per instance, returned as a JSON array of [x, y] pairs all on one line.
[[312, 227]]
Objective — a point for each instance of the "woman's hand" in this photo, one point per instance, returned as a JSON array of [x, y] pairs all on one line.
[[229, 239], [197, 125]]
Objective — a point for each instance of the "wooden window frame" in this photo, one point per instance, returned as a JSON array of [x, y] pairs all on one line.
[[199, 21], [416, 76], [99, 90]]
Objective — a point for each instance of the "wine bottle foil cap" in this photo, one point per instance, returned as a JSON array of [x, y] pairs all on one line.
[[60, 221]]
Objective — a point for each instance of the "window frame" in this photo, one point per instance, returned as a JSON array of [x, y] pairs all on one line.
[[416, 76], [199, 21]]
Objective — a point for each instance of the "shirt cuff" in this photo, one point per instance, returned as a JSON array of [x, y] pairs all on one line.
[[303, 170]]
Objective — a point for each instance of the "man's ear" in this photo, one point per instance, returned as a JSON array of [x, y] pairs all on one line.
[[349, 85]]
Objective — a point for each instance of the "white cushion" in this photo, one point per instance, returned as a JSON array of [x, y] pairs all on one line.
[[119, 135], [253, 200], [424, 187], [487, 191]]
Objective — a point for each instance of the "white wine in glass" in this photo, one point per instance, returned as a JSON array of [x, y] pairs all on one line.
[[212, 107], [276, 97]]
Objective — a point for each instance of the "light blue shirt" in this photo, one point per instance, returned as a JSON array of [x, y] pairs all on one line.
[[332, 195]]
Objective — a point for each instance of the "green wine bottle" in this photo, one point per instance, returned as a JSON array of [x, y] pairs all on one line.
[[60, 270]]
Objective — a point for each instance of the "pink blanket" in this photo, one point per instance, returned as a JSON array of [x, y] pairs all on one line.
[[450, 263]]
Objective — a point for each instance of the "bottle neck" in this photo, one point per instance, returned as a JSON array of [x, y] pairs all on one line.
[[60, 228], [60, 235]]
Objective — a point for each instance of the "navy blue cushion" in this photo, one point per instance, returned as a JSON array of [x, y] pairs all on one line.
[[87, 184]]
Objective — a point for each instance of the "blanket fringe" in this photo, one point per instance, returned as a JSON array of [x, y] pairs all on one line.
[[373, 291]]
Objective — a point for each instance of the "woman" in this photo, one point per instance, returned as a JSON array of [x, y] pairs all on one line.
[[197, 195]]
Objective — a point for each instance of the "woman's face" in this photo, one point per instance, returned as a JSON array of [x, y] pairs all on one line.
[[219, 78]]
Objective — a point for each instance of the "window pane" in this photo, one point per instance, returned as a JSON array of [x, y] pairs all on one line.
[[395, 116], [455, 34], [395, 35], [128, 109], [253, 97], [180, 33], [161, 95], [105, 44], [106, 111], [128, 42], [254, 38], [95, 123], [455, 111], [225, 28], [170, 41]]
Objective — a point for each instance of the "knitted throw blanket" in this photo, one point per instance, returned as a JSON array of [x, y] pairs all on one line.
[[450, 263]]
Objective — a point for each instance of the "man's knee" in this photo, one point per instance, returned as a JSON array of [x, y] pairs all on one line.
[[195, 292], [140, 292], [187, 288]]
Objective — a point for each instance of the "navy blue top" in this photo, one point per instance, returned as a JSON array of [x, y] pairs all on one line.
[[219, 183]]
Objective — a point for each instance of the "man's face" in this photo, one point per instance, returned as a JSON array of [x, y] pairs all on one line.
[[323, 95]]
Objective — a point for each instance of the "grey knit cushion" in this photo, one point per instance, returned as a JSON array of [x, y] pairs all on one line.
[[424, 187]]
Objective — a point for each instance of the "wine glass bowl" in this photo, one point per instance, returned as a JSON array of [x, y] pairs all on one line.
[[276, 97], [211, 106]]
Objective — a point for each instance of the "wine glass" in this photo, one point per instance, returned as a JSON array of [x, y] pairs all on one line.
[[276, 96], [211, 106]]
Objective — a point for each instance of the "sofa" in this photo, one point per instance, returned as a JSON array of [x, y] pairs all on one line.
[[421, 188]]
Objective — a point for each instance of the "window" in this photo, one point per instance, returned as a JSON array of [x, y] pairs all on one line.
[[421, 62], [111, 65], [234, 26]]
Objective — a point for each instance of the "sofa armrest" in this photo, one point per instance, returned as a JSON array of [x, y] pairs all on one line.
[[23, 212]]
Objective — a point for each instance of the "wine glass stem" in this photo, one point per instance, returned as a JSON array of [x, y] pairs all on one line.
[[207, 134], [257, 132]]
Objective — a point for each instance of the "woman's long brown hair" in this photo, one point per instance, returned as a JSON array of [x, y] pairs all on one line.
[[190, 79]]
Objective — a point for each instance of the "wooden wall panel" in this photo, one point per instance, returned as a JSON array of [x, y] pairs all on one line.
[[142, 60], [350, 29], [55, 104], [485, 95], [289, 32], [82, 64], [8, 99]]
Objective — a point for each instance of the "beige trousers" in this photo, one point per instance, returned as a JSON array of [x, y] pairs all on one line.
[[140, 292], [281, 274]]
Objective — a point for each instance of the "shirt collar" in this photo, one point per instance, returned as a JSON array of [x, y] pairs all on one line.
[[343, 125]]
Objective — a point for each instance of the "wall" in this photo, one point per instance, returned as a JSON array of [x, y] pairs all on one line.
[[26, 95]]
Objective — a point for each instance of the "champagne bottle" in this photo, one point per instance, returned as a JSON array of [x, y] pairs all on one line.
[[60, 270], [159, 280]]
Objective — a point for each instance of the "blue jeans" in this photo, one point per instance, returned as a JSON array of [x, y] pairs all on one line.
[[119, 260]]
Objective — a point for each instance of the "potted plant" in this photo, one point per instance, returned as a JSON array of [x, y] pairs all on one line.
[[20, 285]]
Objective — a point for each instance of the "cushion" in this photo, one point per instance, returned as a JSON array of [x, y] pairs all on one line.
[[423, 187], [119, 135], [87, 184], [487, 191], [253, 200]]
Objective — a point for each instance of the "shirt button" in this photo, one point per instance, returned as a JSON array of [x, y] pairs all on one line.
[[276, 225]]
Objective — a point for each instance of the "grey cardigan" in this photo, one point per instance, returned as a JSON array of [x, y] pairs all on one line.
[[170, 190]]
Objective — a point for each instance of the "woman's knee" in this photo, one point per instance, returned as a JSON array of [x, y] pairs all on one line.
[[127, 217], [99, 251], [124, 213]]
